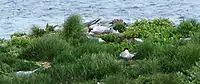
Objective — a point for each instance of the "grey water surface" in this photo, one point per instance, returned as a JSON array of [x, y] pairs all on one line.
[[21, 15]]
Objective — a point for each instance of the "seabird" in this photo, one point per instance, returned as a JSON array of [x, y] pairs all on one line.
[[138, 40], [126, 55], [19, 73], [44, 65]]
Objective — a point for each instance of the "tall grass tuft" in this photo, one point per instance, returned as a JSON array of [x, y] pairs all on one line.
[[45, 48], [188, 26], [146, 66], [160, 78], [89, 66], [73, 29]]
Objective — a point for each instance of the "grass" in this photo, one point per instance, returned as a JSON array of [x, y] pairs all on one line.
[[77, 60], [44, 48]]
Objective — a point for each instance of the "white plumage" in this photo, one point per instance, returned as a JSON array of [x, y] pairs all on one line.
[[19, 73], [126, 54], [98, 29], [95, 38], [138, 40], [185, 38]]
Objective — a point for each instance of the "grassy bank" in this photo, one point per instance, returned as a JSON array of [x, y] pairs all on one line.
[[163, 58]]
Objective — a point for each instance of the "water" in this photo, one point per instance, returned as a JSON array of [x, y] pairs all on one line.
[[21, 15]]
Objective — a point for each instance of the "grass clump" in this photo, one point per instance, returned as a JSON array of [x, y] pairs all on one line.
[[162, 58], [186, 27], [89, 66], [45, 48], [72, 30]]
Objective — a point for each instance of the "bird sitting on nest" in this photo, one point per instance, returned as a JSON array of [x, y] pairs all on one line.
[[125, 55], [95, 28], [44, 65]]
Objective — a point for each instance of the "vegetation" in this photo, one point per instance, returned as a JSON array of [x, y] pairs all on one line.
[[163, 58]]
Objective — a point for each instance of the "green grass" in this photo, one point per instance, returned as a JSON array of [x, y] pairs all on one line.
[[45, 48], [161, 59]]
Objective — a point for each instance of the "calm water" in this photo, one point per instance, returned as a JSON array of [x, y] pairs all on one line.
[[21, 15]]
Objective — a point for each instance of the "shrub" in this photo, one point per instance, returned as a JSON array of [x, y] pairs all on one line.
[[72, 28], [159, 29], [19, 34], [146, 66], [111, 38], [145, 50], [92, 47], [50, 28], [45, 48], [193, 74], [89, 66], [178, 58], [119, 25], [36, 31], [160, 78], [19, 42], [188, 26], [5, 68], [66, 56], [195, 38]]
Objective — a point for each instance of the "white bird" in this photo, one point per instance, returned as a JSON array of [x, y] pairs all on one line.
[[3, 45], [138, 40], [98, 29], [186, 38], [101, 40], [95, 38], [20, 73], [44, 65], [126, 55]]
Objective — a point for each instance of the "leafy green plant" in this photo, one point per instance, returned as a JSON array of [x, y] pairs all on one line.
[[188, 26], [110, 38], [19, 34], [4, 68], [119, 25], [193, 74], [36, 31], [50, 28], [159, 29], [19, 42]]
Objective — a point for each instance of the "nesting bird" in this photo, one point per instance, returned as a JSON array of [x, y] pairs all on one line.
[[126, 55], [19, 73], [96, 28], [44, 65], [138, 40]]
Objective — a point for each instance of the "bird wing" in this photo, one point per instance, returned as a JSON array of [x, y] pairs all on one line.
[[92, 22]]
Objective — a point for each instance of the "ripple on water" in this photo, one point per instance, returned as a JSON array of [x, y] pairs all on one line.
[[20, 15]]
